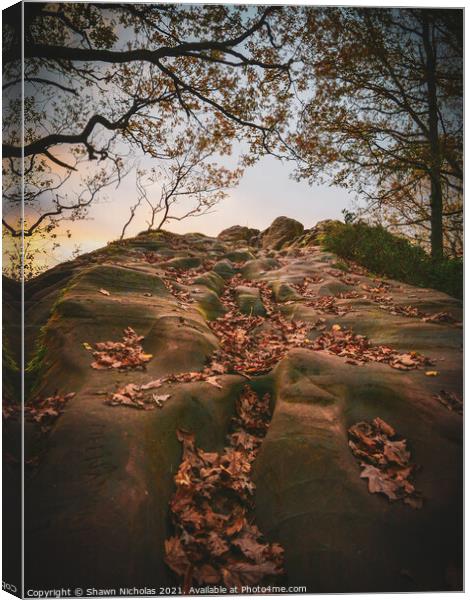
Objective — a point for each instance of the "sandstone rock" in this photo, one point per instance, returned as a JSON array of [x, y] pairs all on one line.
[[283, 292], [312, 237], [212, 280], [238, 233], [281, 231], [249, 301], [238, 256], [254, 269], [337, 536], [224, 268]]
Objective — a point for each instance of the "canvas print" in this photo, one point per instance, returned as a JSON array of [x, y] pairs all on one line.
[[232, 299]]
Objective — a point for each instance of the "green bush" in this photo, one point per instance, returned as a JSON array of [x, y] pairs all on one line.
[[389, 255]]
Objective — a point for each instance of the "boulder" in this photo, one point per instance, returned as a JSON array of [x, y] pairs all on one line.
[[249, 301], [281, 231], [237, 233], [312, 237], [224, 268]]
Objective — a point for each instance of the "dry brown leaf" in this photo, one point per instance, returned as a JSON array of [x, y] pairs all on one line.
[[214, 381], [451, 401]]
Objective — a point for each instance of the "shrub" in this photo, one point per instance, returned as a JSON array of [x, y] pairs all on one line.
[[389, 255]]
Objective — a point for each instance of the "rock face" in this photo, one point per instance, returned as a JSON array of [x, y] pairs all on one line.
[[312, 237], [239, 234], [97, 502], [281, 231]]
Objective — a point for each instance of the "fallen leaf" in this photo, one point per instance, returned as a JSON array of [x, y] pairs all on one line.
[[151, 385], [451, 401], [214, 381], [160, 399]]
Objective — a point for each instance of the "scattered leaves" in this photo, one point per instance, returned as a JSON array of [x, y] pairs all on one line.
[[325, 304], [358, 350], [139, 396], [440, 317]]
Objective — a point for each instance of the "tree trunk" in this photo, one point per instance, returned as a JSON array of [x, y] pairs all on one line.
[[434, 144]]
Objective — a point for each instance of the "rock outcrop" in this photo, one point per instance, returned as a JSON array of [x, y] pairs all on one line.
[[312, 237], [237, 233], [281, 231], [97, 496]]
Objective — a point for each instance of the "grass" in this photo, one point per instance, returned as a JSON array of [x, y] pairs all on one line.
[[391, 256]]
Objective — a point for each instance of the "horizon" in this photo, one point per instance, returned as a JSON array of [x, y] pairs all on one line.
[[255, 202]]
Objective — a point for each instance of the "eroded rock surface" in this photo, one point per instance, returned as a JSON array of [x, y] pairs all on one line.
[[97, 501], [281, 231]]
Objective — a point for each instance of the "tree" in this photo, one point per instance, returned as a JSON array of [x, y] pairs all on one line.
[[188, 182], [106, 82], [385, 114]]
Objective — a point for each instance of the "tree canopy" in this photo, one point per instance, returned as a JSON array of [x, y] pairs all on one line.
[[105, 82], [369, 99], [384, 114]]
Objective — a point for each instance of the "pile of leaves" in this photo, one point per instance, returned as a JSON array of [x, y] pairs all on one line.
[[385, 461], [140, 397], [380, 288], [45, 411], [406, 310], [247, 347], [358, 350], [215, 539], [253, 344], [153, 257], [350, 294], [451, 401], [124, 355], [387, 303]]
